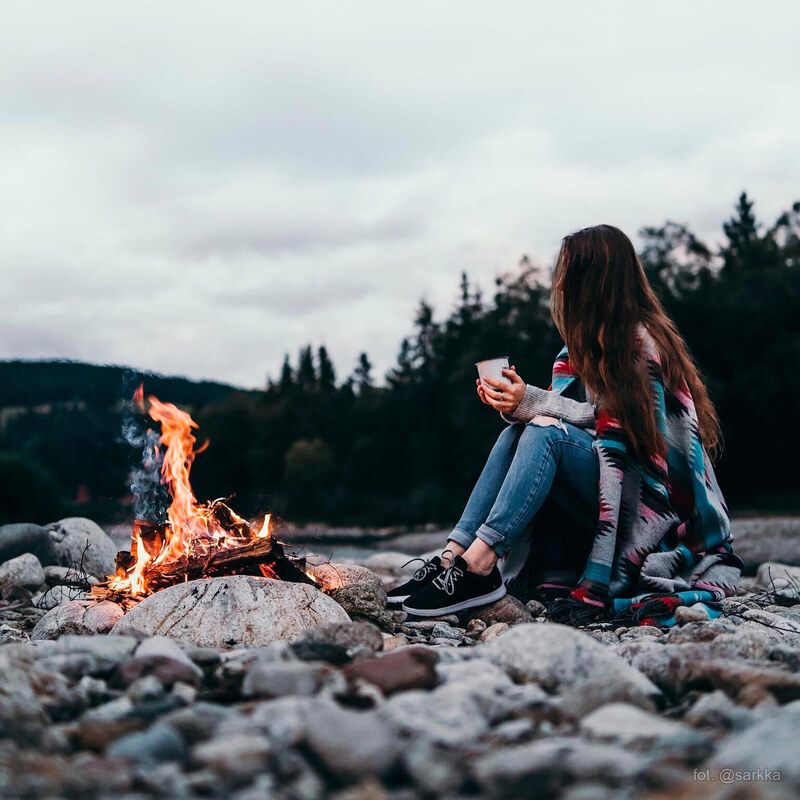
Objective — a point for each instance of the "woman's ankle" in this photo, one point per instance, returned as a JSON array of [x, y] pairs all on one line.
[[450, 552], [481, 559]]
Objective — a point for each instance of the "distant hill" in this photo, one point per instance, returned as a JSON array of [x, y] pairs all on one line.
[[33, 383]]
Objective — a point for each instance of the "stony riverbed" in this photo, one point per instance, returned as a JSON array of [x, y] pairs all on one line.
[[190, 697]]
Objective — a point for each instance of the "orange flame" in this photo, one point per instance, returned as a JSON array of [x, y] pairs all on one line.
[[192, 527]]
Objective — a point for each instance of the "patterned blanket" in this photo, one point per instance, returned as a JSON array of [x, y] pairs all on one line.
[[664, 536]]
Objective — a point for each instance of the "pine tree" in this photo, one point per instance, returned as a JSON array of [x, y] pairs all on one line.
[[326, 372], [743, 240], [287, 375], [362, 375], [306, 374]]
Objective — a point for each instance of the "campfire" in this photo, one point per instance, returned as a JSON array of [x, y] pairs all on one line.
[[196, 540]]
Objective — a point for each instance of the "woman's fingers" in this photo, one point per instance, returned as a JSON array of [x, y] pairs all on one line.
[[511, 374]]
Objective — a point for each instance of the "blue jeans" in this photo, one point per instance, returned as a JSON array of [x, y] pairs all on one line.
[[528, 463]]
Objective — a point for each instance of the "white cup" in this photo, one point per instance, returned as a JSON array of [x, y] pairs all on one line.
[[492, 368]]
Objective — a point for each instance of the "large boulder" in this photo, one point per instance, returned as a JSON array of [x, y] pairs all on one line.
[[84, 543], [25, 570], [25, 537], [240, 609], [563, 660], [758, 540]]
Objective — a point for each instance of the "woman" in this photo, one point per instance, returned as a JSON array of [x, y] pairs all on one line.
[[620, 442]]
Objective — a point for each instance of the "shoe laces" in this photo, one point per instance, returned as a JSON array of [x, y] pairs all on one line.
[[422, 572], [447, 580]]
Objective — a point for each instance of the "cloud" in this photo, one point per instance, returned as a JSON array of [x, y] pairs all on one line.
[[199, 188]]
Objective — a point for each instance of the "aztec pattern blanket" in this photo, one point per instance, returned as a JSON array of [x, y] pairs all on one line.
[[664, 536]]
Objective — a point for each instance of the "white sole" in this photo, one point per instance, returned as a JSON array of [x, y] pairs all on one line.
[[397, 599], [473, 602]]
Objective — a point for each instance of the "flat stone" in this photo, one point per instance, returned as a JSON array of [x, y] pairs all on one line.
[[347, 634], [241, 609], [770, 744], [25, 570], [270, 679], [564, 660], [409, 668], [352, 744], [640, 730], [541, 768], [493, 631], [239, 757], [80, 542], [158, 743], [161, 658]]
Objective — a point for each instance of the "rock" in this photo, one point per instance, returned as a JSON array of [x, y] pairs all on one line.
[[475, 627], [448, 718], [759, 540], [409, 668], [24, 570], [347, 634], [394, 642], [22, 717], [441, 630], [80, 617], [769, 745], [782, 579], [508, 609], [563, 659], [102, 617], [640, 730], [392, 562], [335, 654], [81, 542], [64, 618], [437, 770], [352, 744], [535, 608], [270, 679], [162, 659], [696, 613], [56, 575], [239, 758], [717, 711], [358, 590], [493, 631], [541, 768], [241, 609], [56, 595], [25, 537], [199, 721], [158, 743]]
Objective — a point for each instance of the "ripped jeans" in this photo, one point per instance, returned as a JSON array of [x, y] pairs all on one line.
[[527, 464]]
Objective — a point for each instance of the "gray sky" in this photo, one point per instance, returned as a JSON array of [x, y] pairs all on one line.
[[198, 187]]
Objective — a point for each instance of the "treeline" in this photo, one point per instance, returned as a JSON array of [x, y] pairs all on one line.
[[312, 447]]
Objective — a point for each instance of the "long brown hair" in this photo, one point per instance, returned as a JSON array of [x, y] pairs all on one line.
[[600, 296]]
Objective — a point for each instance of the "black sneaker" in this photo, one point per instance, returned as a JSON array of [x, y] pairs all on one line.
[[455, 589], [421, 578]]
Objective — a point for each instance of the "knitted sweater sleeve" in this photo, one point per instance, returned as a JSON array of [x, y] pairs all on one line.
[[537, 401]]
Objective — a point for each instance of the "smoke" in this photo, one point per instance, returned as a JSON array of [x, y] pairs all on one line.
[[150, 496]]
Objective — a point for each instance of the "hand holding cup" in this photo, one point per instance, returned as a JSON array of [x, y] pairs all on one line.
[[502, 394]]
